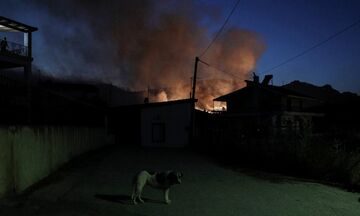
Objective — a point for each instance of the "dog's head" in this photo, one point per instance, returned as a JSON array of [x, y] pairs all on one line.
[[174, 177]]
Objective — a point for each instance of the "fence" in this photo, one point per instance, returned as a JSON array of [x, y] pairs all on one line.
[[15, 49], [28, 154]]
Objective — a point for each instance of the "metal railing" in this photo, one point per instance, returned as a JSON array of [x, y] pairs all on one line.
[[15, 49]]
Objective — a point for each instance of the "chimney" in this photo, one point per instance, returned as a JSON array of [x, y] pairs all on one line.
[[267, 79], [255, 78]]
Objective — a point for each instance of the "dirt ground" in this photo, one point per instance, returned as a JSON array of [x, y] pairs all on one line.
[[100, 184]]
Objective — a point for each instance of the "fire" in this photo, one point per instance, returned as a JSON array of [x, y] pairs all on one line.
[[162, 96], [206, 91], [219, 106], [146, 43], [236, 53]]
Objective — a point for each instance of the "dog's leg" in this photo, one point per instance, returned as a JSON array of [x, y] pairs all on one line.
[[141, 200], [139, 189], [166, 194], [133, 195]]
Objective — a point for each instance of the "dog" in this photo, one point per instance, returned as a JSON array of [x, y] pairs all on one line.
[[159, 180]]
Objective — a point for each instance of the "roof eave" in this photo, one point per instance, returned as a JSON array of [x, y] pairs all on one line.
[[14, 25]]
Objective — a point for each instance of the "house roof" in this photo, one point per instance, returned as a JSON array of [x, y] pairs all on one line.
[[167, 103], [157, 104], [9, 25], [251, 85]]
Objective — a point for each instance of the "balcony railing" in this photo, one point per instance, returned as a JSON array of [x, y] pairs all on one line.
[[15, 49]]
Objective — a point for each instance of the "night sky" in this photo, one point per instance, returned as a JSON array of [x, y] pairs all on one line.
[[285, 27], [290, 27]]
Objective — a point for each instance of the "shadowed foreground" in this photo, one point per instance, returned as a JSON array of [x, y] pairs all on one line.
[[100, 184]]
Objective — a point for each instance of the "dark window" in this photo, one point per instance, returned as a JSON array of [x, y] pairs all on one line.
[[158, 132]]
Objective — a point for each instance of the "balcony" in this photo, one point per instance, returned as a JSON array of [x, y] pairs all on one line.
[[15, 49], [15, 54]]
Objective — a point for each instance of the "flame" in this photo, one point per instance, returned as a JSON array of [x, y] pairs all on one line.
[[236, 53], [162, 96]]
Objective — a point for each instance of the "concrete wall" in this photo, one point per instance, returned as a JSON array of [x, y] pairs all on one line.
[[6, 174], [29, 154]]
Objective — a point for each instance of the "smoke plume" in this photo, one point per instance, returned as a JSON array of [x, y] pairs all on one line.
[[143, 44]]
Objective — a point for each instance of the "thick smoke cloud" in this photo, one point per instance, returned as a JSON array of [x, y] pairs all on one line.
[[142, 43]]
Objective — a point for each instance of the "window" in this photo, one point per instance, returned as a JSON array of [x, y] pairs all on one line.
[[158, 132]]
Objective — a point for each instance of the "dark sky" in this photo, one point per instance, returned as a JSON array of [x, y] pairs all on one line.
[[286, 27], [290, 27]]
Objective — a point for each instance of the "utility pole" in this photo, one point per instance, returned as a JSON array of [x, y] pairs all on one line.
[[194, 78], [190, 88], [192, 129]]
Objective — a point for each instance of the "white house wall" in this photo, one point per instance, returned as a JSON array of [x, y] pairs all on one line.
[[176, 121]]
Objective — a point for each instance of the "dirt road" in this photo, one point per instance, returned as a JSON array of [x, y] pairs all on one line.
[[99, 184]]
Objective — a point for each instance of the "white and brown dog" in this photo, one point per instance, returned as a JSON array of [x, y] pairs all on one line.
[[159, 180]]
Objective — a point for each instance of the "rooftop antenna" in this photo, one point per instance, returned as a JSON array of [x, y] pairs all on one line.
[[255, 78]]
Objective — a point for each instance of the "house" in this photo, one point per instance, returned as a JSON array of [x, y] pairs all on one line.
[[160, 124], [166, 124], [341, 109], [14, 56], [261, 118], [271, 108]]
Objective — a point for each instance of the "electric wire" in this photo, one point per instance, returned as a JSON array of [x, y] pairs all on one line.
[[223, 71], [306, 51], [221, 29]]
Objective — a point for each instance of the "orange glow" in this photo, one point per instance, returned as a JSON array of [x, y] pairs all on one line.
[[220, 106], [166, 61]]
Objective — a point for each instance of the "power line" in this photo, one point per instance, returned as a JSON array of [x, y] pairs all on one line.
[[336, 34], [232, 74], [221, 29]]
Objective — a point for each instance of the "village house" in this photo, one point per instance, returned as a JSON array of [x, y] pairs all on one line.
[[15, 96], [158, 124], [41, 130], [270, 106], [258, 114]]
